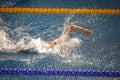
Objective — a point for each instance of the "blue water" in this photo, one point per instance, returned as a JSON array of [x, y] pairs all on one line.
[[100, 51]]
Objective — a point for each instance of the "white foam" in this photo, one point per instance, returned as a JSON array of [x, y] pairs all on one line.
[[36, 45]]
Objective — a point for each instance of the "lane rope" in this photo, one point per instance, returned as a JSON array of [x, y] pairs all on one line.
[[60, 72], [87, 73], [60, 11]]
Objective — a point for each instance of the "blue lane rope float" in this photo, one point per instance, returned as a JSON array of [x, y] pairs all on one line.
[[60, 72]]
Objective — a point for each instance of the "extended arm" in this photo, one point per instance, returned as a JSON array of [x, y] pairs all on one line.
[[74, 27]]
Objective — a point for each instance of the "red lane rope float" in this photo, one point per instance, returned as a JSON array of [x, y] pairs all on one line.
[[86, 73], [60, 11]]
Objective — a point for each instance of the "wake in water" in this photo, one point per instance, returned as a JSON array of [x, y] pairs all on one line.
[[62, 45]]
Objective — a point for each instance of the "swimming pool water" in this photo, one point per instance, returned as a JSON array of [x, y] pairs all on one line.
[[97, 52]]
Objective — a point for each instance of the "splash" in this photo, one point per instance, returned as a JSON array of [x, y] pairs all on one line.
[[21, 40], [67, 22], [32, 44]]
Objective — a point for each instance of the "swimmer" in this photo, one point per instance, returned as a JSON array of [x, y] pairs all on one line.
[[62, 39], [65, 36], [21, 46]]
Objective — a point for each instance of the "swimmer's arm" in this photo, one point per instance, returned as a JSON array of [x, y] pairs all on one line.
[[86, 31], [74, 27]]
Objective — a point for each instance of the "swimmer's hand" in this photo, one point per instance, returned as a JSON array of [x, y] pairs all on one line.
[[88, 32]]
